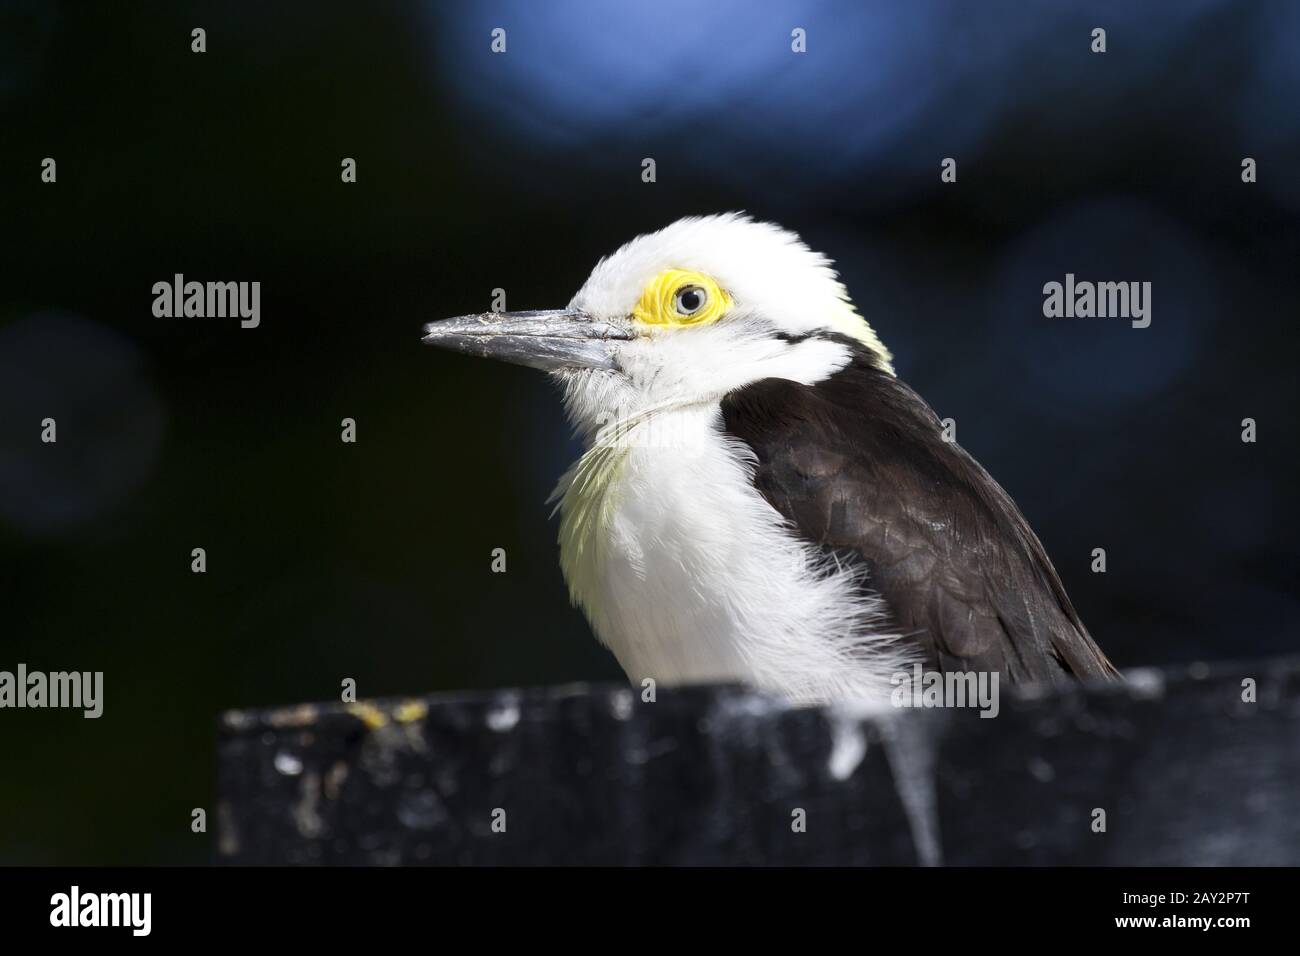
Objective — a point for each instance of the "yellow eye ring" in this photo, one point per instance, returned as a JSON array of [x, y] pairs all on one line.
[[679, 297]]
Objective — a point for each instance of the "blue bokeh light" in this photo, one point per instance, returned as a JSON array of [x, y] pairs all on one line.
[[880, 83]]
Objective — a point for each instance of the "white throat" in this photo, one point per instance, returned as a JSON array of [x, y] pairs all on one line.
[[687, 574]]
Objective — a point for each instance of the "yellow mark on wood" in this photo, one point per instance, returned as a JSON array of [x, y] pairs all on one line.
[[368, 714], [410, 711]]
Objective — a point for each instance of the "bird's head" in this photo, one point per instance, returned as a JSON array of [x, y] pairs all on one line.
[[679, 317]]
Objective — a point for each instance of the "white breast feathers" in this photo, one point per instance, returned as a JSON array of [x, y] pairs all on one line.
[[687, 574]]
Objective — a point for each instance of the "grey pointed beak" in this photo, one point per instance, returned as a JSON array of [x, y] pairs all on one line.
[[551, 340]]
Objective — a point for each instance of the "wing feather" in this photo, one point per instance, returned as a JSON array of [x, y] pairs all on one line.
[[858, 462]]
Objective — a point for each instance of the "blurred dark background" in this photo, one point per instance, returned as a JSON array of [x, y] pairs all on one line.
[[518, 170]]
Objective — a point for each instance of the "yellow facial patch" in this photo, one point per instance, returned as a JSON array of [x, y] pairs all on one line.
[[679, 297]]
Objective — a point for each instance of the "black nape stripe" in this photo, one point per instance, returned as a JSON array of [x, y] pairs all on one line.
[[857, 349], [793, 339]]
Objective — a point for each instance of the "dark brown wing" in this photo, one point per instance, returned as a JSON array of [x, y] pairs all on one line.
[[858, 461]]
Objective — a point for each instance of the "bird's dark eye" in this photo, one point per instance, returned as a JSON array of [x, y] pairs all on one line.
[[690, 299]]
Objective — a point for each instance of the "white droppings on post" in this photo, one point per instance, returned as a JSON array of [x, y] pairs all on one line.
[[620, 704], [848, 744], [288, 764], [1041, 770], [503, 717], [1145, 683]]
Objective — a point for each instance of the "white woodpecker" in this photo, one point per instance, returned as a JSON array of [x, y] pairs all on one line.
[[761, 499]]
